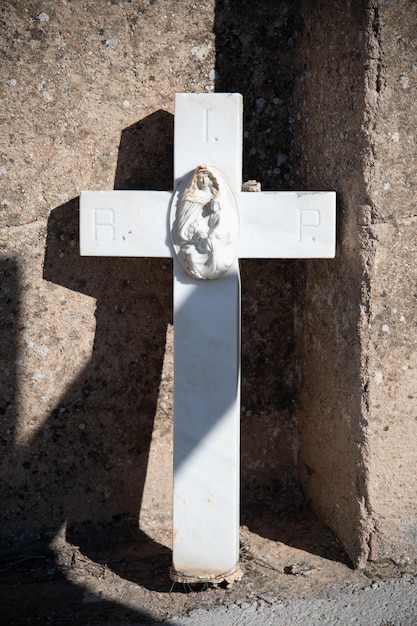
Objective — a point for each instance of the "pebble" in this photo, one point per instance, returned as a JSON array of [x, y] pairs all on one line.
[[112, 42], [266, 599]]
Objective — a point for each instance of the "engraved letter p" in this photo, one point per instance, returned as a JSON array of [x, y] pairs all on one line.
[[309, 221]]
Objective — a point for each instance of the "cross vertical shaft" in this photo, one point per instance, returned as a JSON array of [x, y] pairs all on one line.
[[207, 366]]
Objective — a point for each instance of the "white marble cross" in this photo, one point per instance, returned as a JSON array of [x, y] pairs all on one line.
[[207, 224]]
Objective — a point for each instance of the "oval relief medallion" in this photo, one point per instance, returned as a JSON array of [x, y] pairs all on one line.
[[205, 224]]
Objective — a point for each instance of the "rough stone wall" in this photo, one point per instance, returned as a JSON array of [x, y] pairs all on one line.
[[357, 422], [86, 343], [331, 152], [391, 322], [87, 102]]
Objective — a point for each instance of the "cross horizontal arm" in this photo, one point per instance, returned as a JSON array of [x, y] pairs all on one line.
[[287, 224], [125, 223], [276, 224]]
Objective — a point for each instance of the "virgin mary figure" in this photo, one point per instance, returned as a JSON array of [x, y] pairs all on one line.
[[193, 226]]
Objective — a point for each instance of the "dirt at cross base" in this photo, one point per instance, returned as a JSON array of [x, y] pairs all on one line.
[[119, 575]]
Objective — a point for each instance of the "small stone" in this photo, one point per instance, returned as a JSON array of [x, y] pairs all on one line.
[[112, 42], [91, 598], [43, 17], [251, 185], [300, 569], [265, 598], [404, 81]]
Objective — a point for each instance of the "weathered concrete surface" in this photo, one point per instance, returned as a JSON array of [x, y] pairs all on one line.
[[391, 323], [86, 373], [87, 91], [358, 418], [331, 151]]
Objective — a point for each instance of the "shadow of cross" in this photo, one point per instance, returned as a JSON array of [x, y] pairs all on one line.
[[208, 132]]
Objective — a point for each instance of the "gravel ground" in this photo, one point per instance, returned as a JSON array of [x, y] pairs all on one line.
[[389, 603], [107, 583]]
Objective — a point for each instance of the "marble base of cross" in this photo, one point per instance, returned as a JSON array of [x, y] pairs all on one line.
[[206, 225]]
